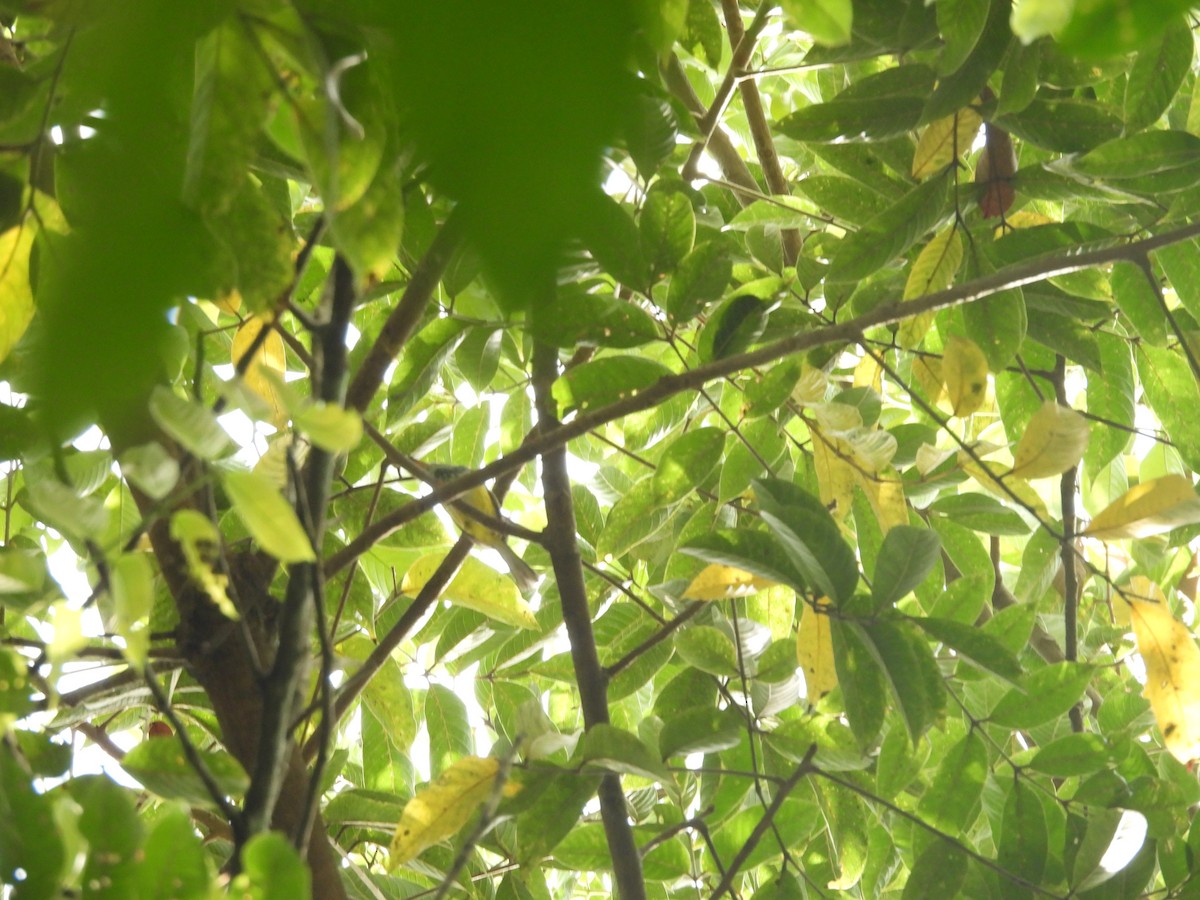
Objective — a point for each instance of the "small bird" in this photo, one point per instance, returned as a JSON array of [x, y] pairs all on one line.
[[482, 499]]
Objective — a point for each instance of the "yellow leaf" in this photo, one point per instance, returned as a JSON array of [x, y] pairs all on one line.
[[814, 652], [16, 293], [1053, 442], [438, 811], [1025, 218], [927, 370], [718, 582], [1172, 676], [868, 373], [944, 141], [836, 476], [1149, 508], [886, 495], [229, 302], [964, 372], [270, 356], [933, 270], [1139, 588], [476, 586]]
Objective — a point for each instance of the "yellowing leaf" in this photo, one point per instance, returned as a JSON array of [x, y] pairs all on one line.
[[886, 495], [1139, 588], [1053, 442], [229, 302], [270, 355], [269, 518], [927, 370], [477, 586], [933, 270], [1172, 676], [16, 293], [1149, 508], [718, 582], [199, 540], [1025, 218], [814, 652], [964, 371], [438, 811], [944, 141], [836, 476]]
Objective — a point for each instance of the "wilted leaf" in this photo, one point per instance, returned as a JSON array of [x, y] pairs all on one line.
[[1053, 442], [1172, 676], [1149, 508]]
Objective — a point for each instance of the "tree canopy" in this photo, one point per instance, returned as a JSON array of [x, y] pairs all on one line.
[[835, 364]]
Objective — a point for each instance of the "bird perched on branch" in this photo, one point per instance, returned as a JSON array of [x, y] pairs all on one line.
[[482, 499]]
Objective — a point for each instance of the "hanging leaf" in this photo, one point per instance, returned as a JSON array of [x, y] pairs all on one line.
[[964, 371], [1149, 508], [16, 293], [944, 141], [1172, 676], [438, 811], [1054, 441], [188, 422], [933, 270], [269, 518], [814, 651]]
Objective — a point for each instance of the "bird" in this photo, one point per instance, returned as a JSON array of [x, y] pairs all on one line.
[[482, 499]]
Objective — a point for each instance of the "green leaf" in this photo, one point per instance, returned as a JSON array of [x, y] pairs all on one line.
[[975, 646], [418, 365], [816, 549], [272, 869], [708, 649], [1105, 28], [611, 236], [868, 119], [701, 731], [667, 227], [650, 130], [606, 380], [174, 863], [1170, 387], [734, 327], [1156, 76], [159, 764], [951, 802], [1064, 126], [1136, 298], [59, 506], [754, 551], [445, 717], [31, 841], [861, 681], [963, 86], [938, 872], [997, 324], [910, 671], [1073, 754], [700, 278], [892, 232], [828, 21], [906, 557], [1110, 397], [615, 750], [979, 512], [1045, 694], [687, 462], [1023, 833], [1150, 162], [188, 422], [330, 427], [110, 825], [269, 518], [961, 23], [577, 316], [703, 31], [1181, 263], [843, 198]]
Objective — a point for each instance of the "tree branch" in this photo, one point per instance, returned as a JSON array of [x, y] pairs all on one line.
[[1066, 547], [577, 619], [404, 318], [296, 615], [669, 385]]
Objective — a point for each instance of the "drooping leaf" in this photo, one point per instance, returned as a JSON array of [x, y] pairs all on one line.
[[814, 651], [267, 516], [964, 371], [944, 141], [906, 557], [933, 270], [1149, 508]]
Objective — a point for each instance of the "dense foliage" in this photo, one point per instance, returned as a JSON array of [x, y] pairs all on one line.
[[836, 363]]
